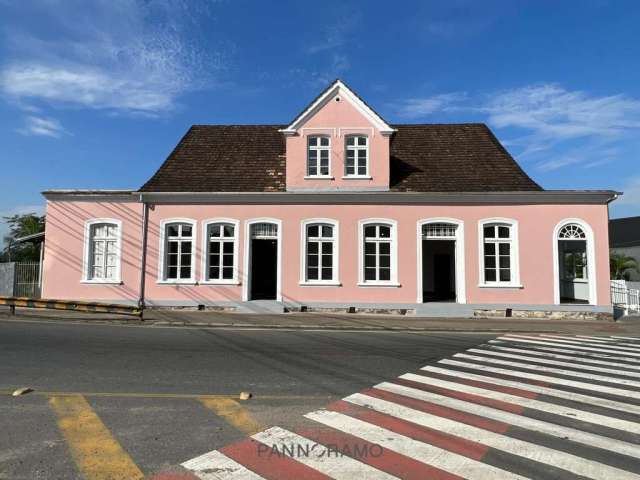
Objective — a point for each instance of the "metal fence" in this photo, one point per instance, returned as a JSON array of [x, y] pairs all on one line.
[[625, 298], [27, 280]]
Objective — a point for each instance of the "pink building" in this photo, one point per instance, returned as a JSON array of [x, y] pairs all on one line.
[[337, 209]]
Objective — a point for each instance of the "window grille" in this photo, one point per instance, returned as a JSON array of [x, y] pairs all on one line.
[[439, 230], [571, 232], [264, 230]]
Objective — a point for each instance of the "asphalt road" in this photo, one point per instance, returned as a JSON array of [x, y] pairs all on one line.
[[144, 386]]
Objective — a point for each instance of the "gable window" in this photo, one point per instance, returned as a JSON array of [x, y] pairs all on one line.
[[378, 262], [499, 253], [357, 156], [102, 251], [220, 252], [179, 251], [318, 152], [320, 254]]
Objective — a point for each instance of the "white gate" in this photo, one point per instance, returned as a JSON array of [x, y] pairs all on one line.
[[625, 298], [27, 280]]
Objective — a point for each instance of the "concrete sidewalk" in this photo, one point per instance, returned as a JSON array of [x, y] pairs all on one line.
[[331, 321]]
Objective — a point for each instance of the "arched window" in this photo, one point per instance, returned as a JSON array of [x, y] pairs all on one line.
[[221, 252], [575, 279], [378, 252], [499, 253], [178, 245], [572, 231], [102, 263], [356, 162], [318, 154], [573, 250], [320, 246]]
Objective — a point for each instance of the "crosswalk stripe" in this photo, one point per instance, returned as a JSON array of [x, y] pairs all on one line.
[[626, 338], [538, 453], [424, 452], [548, 428], [217, 466], [617, 345], [548, 361], [608, 340], [552, 347], [320, 457], [558, 371], [553, 392], [594, 347], [535, 376], [594, 361], [97, 454], [528, 403]]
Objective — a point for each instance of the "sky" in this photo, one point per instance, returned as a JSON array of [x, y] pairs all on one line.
[[95, 94]]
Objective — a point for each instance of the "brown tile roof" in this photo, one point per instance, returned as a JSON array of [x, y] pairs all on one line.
[[424, 158]]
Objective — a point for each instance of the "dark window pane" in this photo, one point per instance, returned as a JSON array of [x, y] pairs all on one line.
[[489, 275], [326, 274], [324, 141], [313, 170], [214, 247], [385, 261], [313, 231], [327, 248], [185, 259], [369, 273], [370, 231], [172, 230], [173, 247], [227, 247], [351, 141], [228, 230], [214, 273], [186, 230], [312, 260], [327, 261], [369, 248], [351, 155], [172, 272], [505, 262], [324, 155], [172, 260], [385, 274], [490, 248], [504, 248], [505, 275], [313, 154], [385, 232], [503, 232], [324, 170], [312, 247], [214, 260], [327, 231], [362, 170], [312, 273], [312, 141], [350, 169], [362, 141], [186, 247], [369, 260], [489, 232], [227, 260], [385, 248], [185, 272], [227, 273], [490, 261], [214, 230]]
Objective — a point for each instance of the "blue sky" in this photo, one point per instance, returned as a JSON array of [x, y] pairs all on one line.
[[96, 94]]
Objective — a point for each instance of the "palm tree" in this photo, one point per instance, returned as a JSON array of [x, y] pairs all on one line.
[[622, 265]]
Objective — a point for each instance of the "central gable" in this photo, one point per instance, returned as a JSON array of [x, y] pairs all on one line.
[[337, 143]]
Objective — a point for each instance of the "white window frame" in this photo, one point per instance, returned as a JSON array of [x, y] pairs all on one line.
[[161, 260], [335, 280], [318, 149], [592, 278], [87, 261], [514, 254], [204, 271], [393, 281], [356, 148], [246, 275], [461, 276]]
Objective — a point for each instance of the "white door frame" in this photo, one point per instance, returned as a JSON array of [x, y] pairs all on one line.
[[461, 295], [591, 260], [246, 284]]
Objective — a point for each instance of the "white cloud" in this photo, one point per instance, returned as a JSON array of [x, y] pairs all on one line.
[[422, 107], [337, 33], [631, 190], [48, 127]]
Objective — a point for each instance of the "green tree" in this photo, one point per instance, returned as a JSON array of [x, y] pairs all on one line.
[[621, 266], [21, 226]]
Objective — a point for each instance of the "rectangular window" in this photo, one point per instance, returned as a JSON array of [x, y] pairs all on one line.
[[377, 253], [497, 245], [318, 153], [357, 156], [320, 253], [220, 252], [178, 251], [103, 252]]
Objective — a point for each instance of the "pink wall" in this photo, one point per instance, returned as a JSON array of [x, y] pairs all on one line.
[[65, 231], [338, 119]]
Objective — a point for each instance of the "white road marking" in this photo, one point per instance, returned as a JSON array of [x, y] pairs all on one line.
[[565, 343], [423, 452], [572, 364], [320, 457], [538, 453], [529, 403], [557, 371], [626, 338], [572, 358], [534, 376], [217, 466], [578, 397], [618, 344]]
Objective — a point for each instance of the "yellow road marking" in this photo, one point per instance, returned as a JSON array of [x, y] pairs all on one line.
[[168, 395], [234, 414], [97, 454]]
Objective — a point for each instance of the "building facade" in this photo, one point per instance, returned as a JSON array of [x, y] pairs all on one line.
[[337, 209]]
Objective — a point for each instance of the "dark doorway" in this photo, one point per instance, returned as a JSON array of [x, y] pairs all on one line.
[[264, 269], [438, 271]]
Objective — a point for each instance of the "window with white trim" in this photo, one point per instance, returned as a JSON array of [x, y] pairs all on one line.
[[377, 253], [318, 153], [103, 258], [179, 251], [320, 253], [498, 261], [573, 242], [220, 252], [356, 162]]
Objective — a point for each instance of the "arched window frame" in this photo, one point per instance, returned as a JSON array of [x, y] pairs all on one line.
[[514, 262], [319, 149], [87, 264], [335, 280], [591, 259], [204, 271], [162, 275], [393, 281], [357, 148]]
